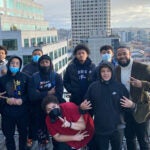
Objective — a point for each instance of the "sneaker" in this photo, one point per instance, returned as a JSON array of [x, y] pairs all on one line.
[[29, 143], [34, 145]]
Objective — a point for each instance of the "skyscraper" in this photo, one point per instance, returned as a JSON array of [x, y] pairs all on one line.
[[90, 18]]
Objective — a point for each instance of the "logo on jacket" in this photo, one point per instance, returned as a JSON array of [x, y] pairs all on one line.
[[45, 84], [114, 93]]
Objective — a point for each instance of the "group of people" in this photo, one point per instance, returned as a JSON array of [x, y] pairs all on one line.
[[107, 101]]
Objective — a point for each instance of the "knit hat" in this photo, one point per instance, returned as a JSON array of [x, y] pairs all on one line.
[[47, 58]]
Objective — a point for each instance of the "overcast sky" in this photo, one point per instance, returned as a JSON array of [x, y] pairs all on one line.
[[125, 13]]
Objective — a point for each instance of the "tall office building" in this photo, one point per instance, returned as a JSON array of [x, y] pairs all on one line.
[[90, 18], [23, 28]]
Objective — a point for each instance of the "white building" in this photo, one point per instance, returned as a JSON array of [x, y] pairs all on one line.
[[90, 16], [23, 28]]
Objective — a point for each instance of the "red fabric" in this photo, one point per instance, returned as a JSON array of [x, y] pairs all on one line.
[[71, 112]]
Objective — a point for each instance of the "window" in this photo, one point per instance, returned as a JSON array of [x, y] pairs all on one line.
[[39, 40], [26, 42], [51, 55], [33, 42], [10, 3], [55, 54], [56, 67], [48, 39], [26, 59], [44, 40], [60, 65], [11, 44], [63, 51], [59, 52], [1, 3]]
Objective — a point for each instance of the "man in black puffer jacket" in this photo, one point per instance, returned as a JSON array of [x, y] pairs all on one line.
[[105, 96], [78, 75], [14, 112]]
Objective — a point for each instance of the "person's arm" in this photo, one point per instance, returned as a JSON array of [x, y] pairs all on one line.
[[140, 84], [86, 105], [79, 125], [34, 93], [66, 138]]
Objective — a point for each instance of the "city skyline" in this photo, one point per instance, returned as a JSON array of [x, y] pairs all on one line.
[[129, 13]]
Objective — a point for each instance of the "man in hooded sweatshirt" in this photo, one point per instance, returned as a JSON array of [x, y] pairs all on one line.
[[43, 83], [78, 75], [14, 113], [106, 96]]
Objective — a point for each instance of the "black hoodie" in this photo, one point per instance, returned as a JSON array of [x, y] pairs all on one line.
[[77, 79], [41, 82], [105, 98], [15, 86]]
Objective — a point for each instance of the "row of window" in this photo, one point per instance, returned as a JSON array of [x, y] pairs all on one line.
[[12, 4], [40, 40], [58, 53], [61, 64], [57, 66], [10, 26], [12, 44]]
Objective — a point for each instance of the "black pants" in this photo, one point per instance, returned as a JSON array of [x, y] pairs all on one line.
[[37, 124], [8, 128], [139, 130], [115, 139]]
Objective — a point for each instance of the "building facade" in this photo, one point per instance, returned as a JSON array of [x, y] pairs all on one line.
[[90, 17], [23, 28]]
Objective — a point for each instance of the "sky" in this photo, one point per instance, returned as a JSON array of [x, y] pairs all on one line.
[[124, 13]]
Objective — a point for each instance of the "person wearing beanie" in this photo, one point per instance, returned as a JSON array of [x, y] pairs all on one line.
[[32, 67], [43, 83], [14, 100], [104, 97], [78, 75]]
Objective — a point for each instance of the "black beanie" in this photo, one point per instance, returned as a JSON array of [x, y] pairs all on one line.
[[44, 57], [47, 58]]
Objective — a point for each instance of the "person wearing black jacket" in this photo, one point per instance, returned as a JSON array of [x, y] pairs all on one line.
[[105, 96], [14, 112], [32, 67], [78, 75], [43, 83]]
